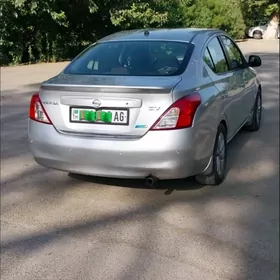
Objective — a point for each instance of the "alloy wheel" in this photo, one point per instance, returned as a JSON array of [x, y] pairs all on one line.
[[220, 155]]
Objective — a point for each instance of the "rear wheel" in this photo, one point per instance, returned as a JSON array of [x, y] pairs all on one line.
[[257, 35], [219, 160]]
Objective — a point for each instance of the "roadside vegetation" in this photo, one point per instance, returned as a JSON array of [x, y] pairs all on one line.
[[54, 30]]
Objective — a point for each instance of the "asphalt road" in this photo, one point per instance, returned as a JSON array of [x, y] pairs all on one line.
[[57, 227]]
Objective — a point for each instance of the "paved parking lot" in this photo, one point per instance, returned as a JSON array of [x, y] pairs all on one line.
[[58, 227]]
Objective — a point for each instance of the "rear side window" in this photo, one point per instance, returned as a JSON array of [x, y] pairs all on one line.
[[218, 57], [236, 60], [133, 58]]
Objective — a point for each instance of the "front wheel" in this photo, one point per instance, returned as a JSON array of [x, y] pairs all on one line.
[[255, 121], [219, 160]]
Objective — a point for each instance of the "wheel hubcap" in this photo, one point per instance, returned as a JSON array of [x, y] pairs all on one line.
[[259, 110], [220, 154]]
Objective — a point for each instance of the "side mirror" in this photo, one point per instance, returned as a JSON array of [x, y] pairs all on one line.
[[254, 61]]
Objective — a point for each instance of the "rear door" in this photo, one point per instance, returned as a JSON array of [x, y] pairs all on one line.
[[244, 76], [226, 82]]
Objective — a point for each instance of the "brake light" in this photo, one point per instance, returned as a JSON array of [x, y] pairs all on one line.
[[37, 111], [180, 114]]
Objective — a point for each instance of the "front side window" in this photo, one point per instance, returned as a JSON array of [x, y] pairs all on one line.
[[133, 58], [218, 56], [208, 59], [235, 57]]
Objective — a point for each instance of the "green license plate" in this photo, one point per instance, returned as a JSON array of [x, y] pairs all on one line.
[[99, 116]]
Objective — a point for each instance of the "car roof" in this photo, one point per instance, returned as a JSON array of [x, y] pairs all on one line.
[[175, 34]]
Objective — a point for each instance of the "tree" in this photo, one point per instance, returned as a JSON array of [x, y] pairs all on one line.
[[51, 30], [30, 28], [221, 14], [144, 14], [255, 10]]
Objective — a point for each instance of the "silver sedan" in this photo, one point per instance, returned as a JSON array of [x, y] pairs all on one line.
[[151, 104]]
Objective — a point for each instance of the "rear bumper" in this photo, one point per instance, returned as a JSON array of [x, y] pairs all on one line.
[[163, 154]]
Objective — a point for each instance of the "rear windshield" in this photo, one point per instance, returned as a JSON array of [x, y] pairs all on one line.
[[133, 58]]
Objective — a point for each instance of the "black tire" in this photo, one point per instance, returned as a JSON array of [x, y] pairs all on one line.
[[255, 122], [257, 35], [217, 176]]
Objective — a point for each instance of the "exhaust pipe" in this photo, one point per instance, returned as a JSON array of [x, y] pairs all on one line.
[[151, 181]]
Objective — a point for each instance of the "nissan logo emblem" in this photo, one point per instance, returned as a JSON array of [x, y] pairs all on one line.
[[96, 103]]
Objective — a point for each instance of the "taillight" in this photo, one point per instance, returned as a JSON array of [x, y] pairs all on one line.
[[37, 111], [180, 114]]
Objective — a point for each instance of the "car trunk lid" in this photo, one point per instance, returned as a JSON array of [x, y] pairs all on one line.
[[116, 106]]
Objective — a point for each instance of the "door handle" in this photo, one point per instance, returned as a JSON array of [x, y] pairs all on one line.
[[242, 86]]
